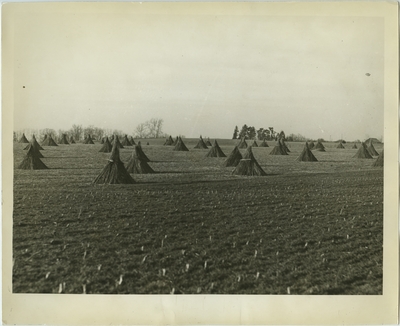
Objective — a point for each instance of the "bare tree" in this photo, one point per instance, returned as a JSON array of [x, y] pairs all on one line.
[[98, 133], [108, 132], [141, 131], [298, 137], [48, 132], [154, 127], [150, 129], [89, 131], [76, 132], [118, 133], [60, 134]]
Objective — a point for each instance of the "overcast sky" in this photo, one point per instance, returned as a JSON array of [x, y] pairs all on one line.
[[202, 74]]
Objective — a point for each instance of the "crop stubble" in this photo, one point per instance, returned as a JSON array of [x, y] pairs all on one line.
[[306, 228]]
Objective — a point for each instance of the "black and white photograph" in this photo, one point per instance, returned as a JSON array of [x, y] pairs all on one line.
[[197, 149]]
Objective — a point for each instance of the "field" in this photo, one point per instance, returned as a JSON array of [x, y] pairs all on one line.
[[193, 227]]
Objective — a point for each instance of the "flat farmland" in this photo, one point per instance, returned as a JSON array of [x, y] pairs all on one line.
[[193, 227]]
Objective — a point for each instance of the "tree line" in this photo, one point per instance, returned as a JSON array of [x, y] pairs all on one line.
[[250, 132], [149, 129]]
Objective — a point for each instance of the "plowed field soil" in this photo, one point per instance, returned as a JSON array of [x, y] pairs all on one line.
[[193, 227]]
